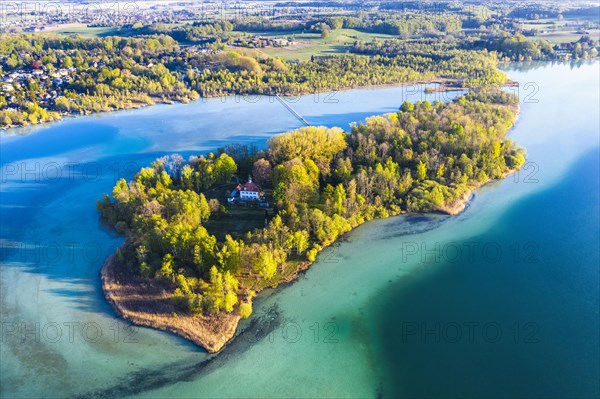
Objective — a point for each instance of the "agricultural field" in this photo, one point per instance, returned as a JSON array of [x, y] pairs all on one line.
[[567, 36], [83, 30], [308, 44], [562, 30]]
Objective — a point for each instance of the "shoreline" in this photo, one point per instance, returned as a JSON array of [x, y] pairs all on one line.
[[445, 85], [211, 333], [6, 130], [460, 204], [146, 303]]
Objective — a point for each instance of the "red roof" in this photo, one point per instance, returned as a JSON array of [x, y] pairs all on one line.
[[250, 187]]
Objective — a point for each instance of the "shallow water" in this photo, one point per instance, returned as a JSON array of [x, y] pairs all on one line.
[[345, 328]]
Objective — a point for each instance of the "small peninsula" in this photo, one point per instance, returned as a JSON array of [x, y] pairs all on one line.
[[205, 235]]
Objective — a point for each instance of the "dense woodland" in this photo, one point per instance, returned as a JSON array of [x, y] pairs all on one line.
[[403, 26], [197, 32], [325, 182], [274, 76], [506, 47]]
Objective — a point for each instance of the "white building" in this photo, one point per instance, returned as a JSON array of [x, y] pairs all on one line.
[[249, 191]]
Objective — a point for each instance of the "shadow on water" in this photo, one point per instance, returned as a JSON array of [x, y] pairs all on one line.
[[38, 235], [147, 379], [412, 224], [57, 139], [341, 120], [212, 145]]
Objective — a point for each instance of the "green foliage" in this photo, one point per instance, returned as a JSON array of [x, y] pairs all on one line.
[[220, 292], [421, 171], [326, 182], [245, 309], [404, 24], [407, 106], [440, 58], [99, 74], [265, 262], [311, 142], [300, 241], [311, 255]]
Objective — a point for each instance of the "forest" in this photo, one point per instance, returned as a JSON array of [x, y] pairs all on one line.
[[504, 46], [402, 25], [325, 182], [274, 76]]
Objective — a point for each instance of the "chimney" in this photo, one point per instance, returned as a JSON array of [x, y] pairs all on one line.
[[249, 178]]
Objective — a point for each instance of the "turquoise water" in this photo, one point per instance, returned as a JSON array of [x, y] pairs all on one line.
[[362, 321]]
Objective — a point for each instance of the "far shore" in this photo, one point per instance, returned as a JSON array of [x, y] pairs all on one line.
[[446, 84]]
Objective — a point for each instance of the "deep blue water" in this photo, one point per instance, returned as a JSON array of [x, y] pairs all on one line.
[[519, 320]]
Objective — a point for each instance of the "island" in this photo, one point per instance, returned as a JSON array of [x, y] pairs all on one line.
[[204, 236]]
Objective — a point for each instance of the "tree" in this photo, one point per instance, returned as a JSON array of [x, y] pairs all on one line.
[[62, 104], [343, 169], [67, 62], [264, 262], [245, 309], [437, 196], [224, 168], [407, 106], [279, 65], [421, 171], [250, 64], [261, 171], [300, 241], [220, 292], [166, 270], [339, 199], [230, 254], [311, 255], [311, 142], [230, 286]]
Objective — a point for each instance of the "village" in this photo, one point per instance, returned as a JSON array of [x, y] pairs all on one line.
[[46, 83], [262, 41]]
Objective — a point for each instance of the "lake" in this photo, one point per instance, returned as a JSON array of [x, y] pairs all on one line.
[[500, 301]]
